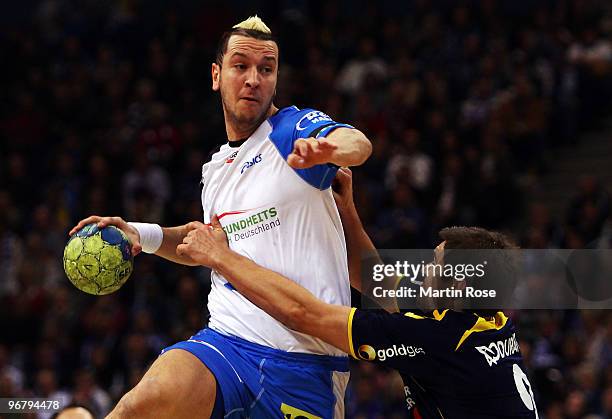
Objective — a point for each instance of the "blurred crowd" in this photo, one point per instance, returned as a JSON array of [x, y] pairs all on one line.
[[108, 110]]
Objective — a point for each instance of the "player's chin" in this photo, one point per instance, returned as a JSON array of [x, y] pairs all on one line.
[[250, 114]]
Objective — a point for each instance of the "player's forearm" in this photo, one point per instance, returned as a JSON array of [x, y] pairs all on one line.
[[286, 301], [280, 297], [362, 256], [353, 147], [173, 236], [358, 244]]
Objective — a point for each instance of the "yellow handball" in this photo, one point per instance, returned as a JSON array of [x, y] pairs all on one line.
[[98, 261]]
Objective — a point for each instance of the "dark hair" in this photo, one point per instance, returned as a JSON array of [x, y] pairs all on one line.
[[500, 258], [250, 33], [475, 238]]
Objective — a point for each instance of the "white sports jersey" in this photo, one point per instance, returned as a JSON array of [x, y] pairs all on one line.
[[282, 218]]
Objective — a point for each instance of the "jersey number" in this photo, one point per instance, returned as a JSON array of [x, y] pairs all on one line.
[[524, 388]]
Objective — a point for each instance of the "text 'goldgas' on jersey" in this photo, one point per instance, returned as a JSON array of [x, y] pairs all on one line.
[[282, 218], [453, 364]]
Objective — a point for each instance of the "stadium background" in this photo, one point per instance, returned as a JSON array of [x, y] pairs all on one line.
[[478, 112]]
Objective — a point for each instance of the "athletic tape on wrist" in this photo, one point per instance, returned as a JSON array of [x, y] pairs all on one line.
[[151, 236]]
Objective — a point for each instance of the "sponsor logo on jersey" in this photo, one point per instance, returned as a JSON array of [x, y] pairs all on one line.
[[252, 220], [499, 350], [231, 157], [368, 353], [252, 225], [311, 118], [248, 164]]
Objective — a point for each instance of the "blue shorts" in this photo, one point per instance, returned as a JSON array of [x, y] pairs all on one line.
[[261, 382]]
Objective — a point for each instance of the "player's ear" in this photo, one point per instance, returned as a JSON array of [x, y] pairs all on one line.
[[216, 76]]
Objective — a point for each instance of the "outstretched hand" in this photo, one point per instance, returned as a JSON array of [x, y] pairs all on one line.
[[204, 244], [131, 233], [308, 152]]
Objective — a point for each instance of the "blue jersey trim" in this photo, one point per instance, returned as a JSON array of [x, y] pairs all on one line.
[[325, 131], [290, 124]]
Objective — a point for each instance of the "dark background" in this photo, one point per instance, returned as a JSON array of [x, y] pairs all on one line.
[[107, 109]]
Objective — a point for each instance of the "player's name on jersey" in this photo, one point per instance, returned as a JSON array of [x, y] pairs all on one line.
[[431, 292], [499, 349]]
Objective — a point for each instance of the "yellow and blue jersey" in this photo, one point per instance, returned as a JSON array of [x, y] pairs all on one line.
[[453, 364]]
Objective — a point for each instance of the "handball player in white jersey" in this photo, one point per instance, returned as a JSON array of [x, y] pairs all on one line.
[[270, 187]]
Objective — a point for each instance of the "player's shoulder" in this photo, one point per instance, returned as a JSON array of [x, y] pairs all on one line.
[[486, 330], [297, 120], [448, 326], [220, 153], [455, 332]]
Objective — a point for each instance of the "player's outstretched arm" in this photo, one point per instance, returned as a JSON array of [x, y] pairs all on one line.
[[342, 147], [358, 243], [286, 301], [172, 237], [353, 147]]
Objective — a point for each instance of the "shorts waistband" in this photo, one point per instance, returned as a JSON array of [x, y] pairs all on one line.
[[328, 362]]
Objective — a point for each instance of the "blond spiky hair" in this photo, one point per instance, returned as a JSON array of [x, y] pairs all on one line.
[[253, 23], [252, 27]]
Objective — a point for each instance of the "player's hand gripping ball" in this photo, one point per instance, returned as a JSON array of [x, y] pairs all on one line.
[[98, 261]]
